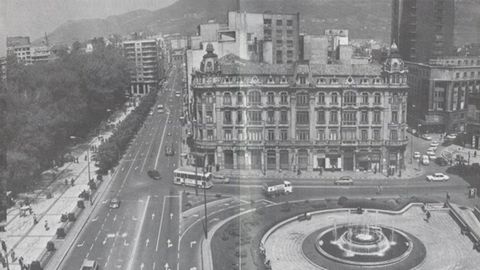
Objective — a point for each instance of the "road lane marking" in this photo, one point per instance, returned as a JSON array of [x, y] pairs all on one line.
[[161, 222], [153, 216], [153, 266], [161, 143], [150, 148], [130, 263], [171, 216]]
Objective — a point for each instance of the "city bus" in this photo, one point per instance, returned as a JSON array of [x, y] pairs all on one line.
[[186, 176]]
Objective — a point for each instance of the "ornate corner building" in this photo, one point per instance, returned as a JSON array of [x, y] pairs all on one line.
[[258, 116]]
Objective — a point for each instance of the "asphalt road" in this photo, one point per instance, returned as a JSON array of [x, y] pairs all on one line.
[[137, 235]]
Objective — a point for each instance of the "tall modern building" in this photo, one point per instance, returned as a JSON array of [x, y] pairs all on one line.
[[145, 56], [439, 92], [423, 29], [290, 116]]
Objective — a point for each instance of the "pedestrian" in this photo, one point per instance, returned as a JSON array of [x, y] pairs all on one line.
[[66, 182], [428, 216], [35, 221], [46, 226], [86, 157], [448, 197], [20, 262], [72, 182], [12, 255]]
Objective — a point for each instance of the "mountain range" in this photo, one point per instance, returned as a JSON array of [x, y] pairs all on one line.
[[368, 19]]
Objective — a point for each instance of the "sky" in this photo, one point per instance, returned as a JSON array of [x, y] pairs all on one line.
[[35, 17]]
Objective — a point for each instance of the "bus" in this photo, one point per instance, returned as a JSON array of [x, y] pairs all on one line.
[[186, 176]]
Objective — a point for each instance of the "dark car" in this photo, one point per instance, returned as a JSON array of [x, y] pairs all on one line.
[[154, 174], [114, 203], [441, 161]]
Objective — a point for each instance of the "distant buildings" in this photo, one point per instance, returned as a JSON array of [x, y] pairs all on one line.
[[300, 116], [145, 56], [473, 120], [3, 69], [26, 53], [439, 92], [423, 29]]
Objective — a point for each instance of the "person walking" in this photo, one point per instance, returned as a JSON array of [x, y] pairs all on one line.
[[428, 216], [46, 226], [35, 221]]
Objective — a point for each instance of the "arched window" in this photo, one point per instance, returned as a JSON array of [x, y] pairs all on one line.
[[377, 98], [350, 98], [270, 98], [321, 98], [227, 99], [284, 98], [365, 98], [254, 98], [209, 98], [239, 98], [334, 98]]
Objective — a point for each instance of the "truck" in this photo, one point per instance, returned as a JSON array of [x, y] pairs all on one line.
[[277, 188]]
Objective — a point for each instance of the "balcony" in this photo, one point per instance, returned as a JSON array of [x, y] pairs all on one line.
[[396, 143], [349, 143]]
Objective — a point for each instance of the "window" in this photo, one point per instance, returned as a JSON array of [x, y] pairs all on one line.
[[349, 118], [321, 134], [321, 98], [289, 22], [240, 135], [270, 98], [267, 21], [302, 80], [227, 135], [209, 116], [227, 99], [210, 134], [350, 98], [279, 22], [239, 98], [303, 135], [376, 134], [267, 33], [283, 117], [321, 117], [365, 98], [302, 118], [364, 117], [302, 99], [364, 134], [255, 135], [271, 135], [333, 117], [377, 117], [457, 75], [254, 98], [289, 53], [209, 98], [283, 134], [394, 117], [289, 43], [249, 36], [227, 117], [254, 117], [283, 98], [334, 98], [279, 42], [279, 57], [270, 117], [289, 33], [240, 117], [279, 33], [377, 98], [394, 135], [333, 134]]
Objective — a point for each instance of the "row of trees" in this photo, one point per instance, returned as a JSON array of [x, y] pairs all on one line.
[[113, 149], [49, 102]]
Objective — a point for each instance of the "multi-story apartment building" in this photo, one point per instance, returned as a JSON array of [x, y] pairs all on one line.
[[251, 115], [423, 29], [145, 56], [20, 47], [3, 69], [439, 92], [473, 120]]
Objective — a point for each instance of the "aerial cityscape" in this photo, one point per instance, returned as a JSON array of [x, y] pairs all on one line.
[[242, 134]]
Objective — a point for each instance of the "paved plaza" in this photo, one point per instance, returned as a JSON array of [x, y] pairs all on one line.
[[446, 247]]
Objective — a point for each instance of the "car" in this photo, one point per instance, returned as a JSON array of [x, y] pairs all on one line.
[[430, 153], [434, 144], [452, 136], [177, 94], [161, 111], [114, 203], [425, 160], [169, 151], [89, 265], [437, 177], [416, 155], [169, 134], [154, 174], [304, 216], [432, 148], [344, 180], [441, 161], [150, 113], [427, 137]]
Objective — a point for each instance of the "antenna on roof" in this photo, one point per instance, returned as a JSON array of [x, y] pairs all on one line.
[[46, 39]]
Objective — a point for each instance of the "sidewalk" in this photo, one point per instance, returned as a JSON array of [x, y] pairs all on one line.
[[29, 240]]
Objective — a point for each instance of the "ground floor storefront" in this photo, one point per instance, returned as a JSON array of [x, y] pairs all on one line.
[[382, 159]]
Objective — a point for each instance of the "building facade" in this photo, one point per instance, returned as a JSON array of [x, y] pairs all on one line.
[[145, 56], [258, 116], [423, 29], [20, 47], [439, 92], [473, 120]]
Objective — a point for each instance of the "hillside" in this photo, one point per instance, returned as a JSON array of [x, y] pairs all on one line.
[[183, 16]]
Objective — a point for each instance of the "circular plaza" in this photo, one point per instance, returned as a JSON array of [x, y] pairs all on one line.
[[354, 239]]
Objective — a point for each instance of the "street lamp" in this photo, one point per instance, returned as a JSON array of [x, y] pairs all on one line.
[[88, 156]]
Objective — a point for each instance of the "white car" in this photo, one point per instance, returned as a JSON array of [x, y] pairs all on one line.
[[434, 144], [437, 177], [427, 137], [430, 153], [425, 160], [432, 148], [452, 136], [416, 155]]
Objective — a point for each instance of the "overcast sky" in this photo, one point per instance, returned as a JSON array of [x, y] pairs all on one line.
[[35, 17]]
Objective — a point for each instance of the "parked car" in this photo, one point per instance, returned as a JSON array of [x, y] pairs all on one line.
[[425, 160], [434, 144], [344, 180], [169, 151], [154, 174], [452, 136], [304, 216], [432, 148], [427, 137], [441, 161], [416, 155], [114, 203], [437, 177], [430, 153], [150, 113], [89, 265]]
